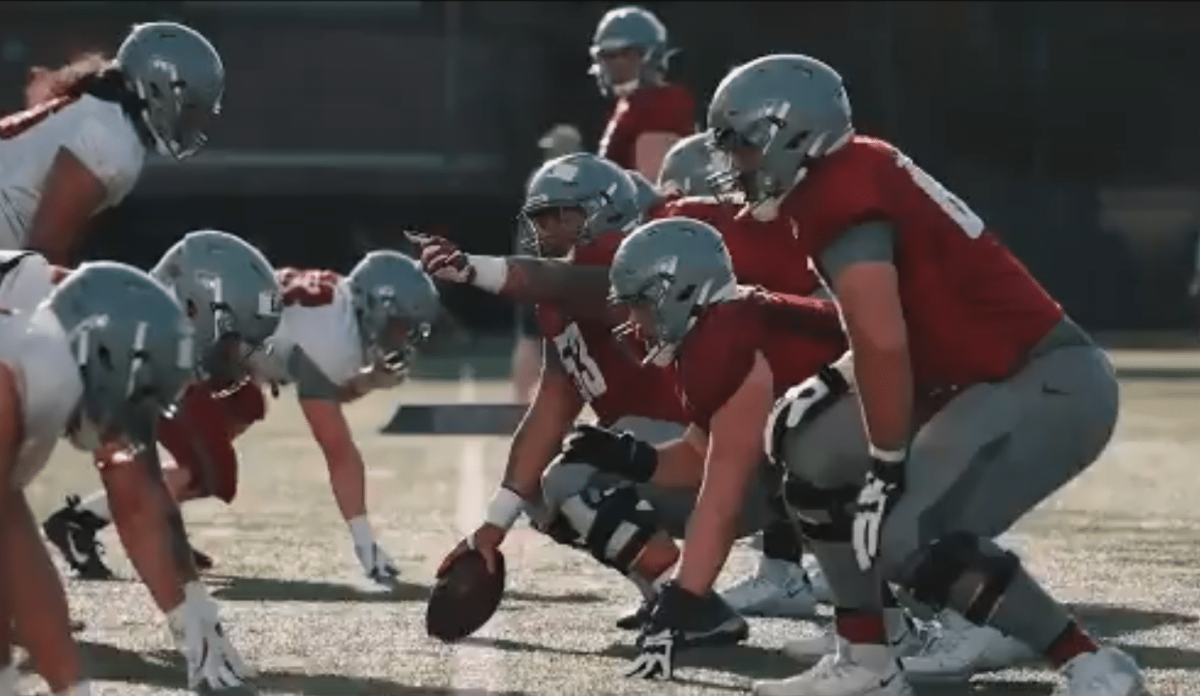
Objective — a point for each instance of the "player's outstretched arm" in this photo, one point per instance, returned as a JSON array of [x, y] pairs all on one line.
[[735, 450], [859, 265], [580, 290]]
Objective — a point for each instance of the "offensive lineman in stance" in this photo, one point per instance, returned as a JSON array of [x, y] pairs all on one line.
[[578, 207], [1017, 399], [101, 359]]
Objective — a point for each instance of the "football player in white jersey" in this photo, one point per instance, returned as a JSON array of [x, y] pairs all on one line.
[[339, 343], [107, 353], [81, 148]]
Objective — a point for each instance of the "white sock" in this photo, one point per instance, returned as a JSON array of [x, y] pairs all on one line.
[[97, 504], [360, 531]]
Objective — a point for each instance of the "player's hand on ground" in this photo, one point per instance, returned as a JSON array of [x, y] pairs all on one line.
[[212, 661], [883, 487], [486, 540], [376, 563], [442, 259], [658, 640]]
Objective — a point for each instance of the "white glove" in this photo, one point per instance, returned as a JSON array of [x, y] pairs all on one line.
[[212, 661], [376, 563]]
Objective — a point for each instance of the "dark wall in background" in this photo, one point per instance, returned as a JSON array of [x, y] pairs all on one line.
[[349, 121]]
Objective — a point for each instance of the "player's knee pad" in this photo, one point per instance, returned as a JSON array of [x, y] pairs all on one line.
[[613, 523], [824, 514], [965, 572]]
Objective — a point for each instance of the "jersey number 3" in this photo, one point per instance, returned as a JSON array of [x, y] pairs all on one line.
[[579, 364], [954, 207]]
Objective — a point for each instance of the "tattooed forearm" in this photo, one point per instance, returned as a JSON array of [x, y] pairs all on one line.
[[578, 289]]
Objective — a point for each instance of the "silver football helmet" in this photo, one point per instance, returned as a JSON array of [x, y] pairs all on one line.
[[395, 304], [629, 27], [133, 344], [772, 117], [229, 291], [600, 189], [180, 77], [687, 166], [667, 272]]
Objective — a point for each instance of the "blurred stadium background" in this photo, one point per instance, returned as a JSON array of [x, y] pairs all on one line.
[[1070, 126]]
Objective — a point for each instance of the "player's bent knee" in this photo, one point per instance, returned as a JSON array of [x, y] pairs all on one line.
[[964, 572], [612, 523], [824, 514]]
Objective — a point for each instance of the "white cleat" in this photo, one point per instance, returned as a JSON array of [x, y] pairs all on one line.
[[817, 579], [1106, 672], [904, 637], [844, 673], [958, 649], [776, 589]]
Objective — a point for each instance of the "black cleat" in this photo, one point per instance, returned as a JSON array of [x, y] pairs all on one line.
[[73, 532], [634, 620], [718, 624]]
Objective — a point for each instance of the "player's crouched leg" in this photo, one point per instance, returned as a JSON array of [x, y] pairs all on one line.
[[989, 456], [627, 527]]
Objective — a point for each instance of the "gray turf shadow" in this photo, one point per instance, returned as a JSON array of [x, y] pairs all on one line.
[[1112, 620], [240, 588], [166, 671]]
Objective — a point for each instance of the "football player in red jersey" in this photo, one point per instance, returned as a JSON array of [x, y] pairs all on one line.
[[579, 208], [629, 61], [935, 308], [781, 587], [677, 279]]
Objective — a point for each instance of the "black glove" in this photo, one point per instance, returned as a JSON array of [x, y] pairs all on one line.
[[662, 632], [613, 451], [879, 494]]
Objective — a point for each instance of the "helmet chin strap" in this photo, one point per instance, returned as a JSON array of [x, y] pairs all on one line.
[[768, 209]]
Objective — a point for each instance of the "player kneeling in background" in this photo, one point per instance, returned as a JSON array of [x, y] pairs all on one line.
[[101, 359]]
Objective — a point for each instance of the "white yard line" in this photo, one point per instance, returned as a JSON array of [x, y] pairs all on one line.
[[476, 667]]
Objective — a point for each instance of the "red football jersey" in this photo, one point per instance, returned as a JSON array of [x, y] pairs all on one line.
[[605, 372], [796, 335], [665, 108], [763, 253], [973, 310]]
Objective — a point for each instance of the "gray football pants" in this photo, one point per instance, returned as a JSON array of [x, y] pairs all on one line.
[[672, 506], [989, 456]]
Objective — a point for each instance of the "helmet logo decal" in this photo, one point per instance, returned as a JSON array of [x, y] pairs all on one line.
[[773, 109], [665, 267], [79, 333], [564, 171]]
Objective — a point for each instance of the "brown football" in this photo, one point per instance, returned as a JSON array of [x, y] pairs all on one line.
[[464, 598]]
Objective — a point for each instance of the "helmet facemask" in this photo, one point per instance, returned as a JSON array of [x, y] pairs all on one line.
[[390, 337], [177, 125], [593, 222], [660, 330], [227, 351]]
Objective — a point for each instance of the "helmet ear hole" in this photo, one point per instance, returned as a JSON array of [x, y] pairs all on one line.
[[796, 142], [686, 293], [192, 310]]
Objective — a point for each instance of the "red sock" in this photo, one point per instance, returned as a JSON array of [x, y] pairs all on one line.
[[859, 626], [1069, 644]]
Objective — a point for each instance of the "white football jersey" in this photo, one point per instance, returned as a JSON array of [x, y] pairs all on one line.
[[97, 132], [34, 345], [328, 336]]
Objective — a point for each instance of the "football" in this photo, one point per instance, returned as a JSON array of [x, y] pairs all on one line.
[[464, 598]]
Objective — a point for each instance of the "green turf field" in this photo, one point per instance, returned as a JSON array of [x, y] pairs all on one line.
[[1120, 544]]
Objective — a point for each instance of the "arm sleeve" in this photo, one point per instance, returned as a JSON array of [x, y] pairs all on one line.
[[869, 241], [311, 382]]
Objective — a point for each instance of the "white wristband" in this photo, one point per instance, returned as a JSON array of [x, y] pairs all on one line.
[[505, 508], [889, 456], [490, 272]]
